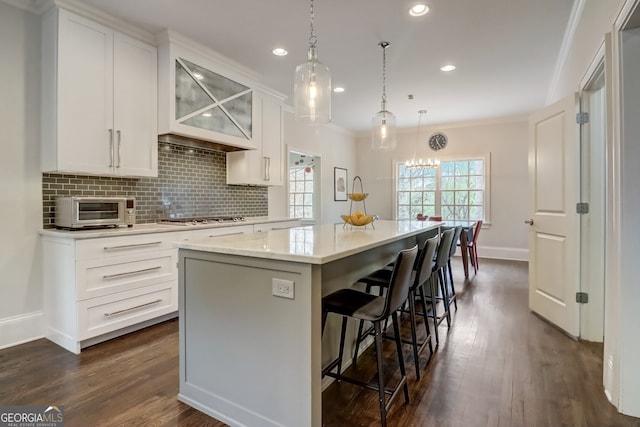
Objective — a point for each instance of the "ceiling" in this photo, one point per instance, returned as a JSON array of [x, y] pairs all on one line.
[[505, 51]]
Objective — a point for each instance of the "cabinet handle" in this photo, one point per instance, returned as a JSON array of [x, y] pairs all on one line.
[[119, 144], [267, 169], [137, 245], [111, 147], [127, 273], [229, 234], [113, 313]]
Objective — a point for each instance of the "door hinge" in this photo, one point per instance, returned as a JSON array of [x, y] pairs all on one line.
[[582, 297], [582, 208], [582, 118]]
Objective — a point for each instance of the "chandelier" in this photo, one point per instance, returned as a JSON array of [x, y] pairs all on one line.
[[419, 163]]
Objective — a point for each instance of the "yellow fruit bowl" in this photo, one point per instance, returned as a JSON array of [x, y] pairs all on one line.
[[357, 219], [357, 197]]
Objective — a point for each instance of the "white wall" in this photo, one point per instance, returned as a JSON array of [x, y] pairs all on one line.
[[506, 142], [20, 178], [621, 368], [629, 289], [335, 146], [596, 19]]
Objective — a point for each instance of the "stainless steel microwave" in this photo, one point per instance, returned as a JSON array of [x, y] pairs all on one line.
[[93, 212]]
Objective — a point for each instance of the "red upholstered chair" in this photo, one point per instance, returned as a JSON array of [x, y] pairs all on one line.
[[435, 218], [472, 246]]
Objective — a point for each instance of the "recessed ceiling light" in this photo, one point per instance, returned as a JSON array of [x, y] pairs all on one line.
[[206, 114], [198, 76], [419, 10], [279, 51], [338, 89], [448, 67]]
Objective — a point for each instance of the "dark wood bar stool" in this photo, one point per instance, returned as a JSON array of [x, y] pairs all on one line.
[[364, 306], [422, 271]]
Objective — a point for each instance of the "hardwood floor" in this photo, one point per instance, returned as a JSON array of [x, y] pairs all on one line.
[[498, 365]]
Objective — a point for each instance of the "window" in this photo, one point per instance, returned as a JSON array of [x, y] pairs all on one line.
[[301, 192], [457, 191]]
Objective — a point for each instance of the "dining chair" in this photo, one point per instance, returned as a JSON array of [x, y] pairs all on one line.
[[472, 247], [360, 305]]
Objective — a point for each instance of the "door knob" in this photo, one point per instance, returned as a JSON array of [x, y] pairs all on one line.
[[528, 221]]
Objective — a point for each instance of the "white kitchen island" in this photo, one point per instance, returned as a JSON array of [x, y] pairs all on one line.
[[250, 358]]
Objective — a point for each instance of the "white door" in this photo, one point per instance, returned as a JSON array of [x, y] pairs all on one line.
[[554, 235]]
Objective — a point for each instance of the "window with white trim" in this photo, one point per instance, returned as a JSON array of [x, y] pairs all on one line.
[[301, 192], [457, 191]]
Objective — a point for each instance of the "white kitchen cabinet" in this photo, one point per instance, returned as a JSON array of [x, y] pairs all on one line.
[[204, 97], [97, 289], [263, 166], [99, 99]]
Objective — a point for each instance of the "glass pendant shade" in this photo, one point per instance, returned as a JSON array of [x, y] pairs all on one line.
[[383, 124], [312, 91], [383, 131]]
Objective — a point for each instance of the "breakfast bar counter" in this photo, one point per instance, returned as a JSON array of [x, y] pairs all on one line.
[[251, 348]]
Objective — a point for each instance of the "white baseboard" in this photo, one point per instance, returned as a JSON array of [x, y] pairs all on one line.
[[21, 329], [495, 252]]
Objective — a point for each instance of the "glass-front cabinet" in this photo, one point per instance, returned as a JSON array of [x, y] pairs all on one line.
[[204, 98]]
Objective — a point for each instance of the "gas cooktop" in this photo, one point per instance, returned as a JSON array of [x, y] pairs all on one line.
[[200, 220]]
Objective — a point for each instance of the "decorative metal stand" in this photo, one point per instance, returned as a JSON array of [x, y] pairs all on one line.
[[358, 218]]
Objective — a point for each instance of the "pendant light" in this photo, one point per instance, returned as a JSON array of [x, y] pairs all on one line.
[[419, 163], [383, 130], [312, 86]]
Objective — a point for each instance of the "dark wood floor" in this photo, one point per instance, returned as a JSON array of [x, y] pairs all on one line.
[[498, 365]]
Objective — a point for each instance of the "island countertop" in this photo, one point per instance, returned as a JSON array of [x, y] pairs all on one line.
[[314, 244]]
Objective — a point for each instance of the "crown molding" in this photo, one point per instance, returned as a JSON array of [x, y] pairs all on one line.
[[101, 17], [37, 7], [565, 47]]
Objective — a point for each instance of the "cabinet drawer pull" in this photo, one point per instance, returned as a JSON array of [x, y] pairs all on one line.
[[229, 234], [136, 245], [127, 273], [132, 308]]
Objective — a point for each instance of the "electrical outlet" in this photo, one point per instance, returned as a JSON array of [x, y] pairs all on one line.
[[282, 288]]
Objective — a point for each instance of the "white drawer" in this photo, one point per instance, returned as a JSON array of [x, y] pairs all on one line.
[[98, 277], [100, 315], [221, 231], [124, 245], [276, 225]]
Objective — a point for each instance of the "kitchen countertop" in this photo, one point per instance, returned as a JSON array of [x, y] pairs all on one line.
[[154, 228], [314, 244]]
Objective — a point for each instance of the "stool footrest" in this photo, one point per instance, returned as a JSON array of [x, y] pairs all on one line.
[[393, 392]]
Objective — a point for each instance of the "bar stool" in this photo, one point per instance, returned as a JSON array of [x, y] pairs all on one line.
[[361, 305], [422, 271], [439, 269], [454, 246]]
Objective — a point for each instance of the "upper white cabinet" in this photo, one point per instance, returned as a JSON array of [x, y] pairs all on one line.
[[99, 99], [204, 97], [262, 166]]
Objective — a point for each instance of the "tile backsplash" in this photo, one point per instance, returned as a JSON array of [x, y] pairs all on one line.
[[190, 182]]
